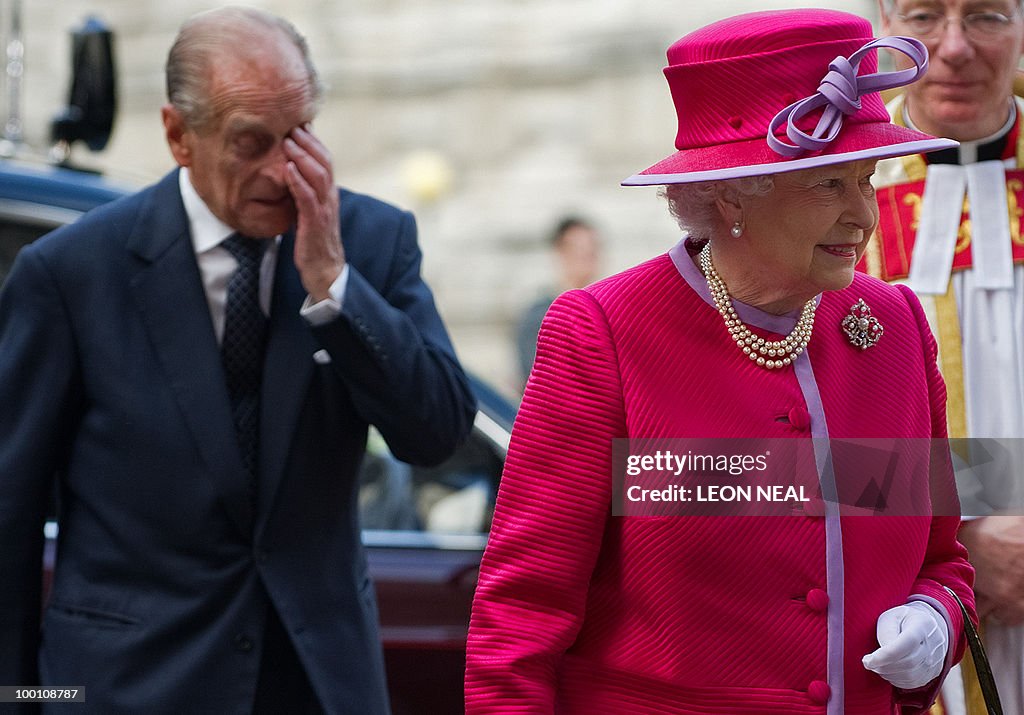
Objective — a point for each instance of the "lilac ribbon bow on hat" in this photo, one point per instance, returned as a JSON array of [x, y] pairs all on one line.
[[840, 92]]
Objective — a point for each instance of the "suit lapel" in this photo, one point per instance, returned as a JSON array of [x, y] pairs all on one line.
[[287, 372], [169, 293]]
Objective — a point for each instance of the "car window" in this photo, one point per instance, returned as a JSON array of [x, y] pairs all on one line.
[[13, 235], [454, 497]]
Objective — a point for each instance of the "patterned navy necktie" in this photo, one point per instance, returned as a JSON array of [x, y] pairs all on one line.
[[245, 339]]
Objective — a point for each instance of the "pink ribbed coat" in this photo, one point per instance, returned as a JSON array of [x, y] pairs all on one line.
[[579, 611]]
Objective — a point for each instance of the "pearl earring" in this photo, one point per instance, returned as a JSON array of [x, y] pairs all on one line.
[[736, 230]]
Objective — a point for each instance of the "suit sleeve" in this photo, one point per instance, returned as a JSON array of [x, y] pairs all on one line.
[[945, 561], [37, 394], [392, 350], [554, 501]]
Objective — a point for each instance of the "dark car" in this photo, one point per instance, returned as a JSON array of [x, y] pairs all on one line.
[[424, 528]]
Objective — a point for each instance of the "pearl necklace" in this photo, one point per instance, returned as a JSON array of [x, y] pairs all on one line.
[[770, 354]]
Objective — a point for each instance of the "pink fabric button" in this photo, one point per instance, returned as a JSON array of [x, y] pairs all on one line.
[[819, 692], [800, 418], [817, 600]]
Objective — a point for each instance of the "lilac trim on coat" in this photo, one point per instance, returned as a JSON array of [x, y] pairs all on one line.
[[783, 324], [833, 532]]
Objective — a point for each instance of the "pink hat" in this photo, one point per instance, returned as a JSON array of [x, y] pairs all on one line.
[[776, 91]]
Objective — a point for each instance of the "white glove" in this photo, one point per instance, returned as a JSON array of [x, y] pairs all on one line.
[[913, 642]]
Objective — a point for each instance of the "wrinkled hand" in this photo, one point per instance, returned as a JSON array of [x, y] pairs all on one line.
[[319, 256], [913, 642], [995, 546]]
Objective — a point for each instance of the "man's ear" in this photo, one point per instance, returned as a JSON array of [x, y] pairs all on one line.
[[177, 135], [1020, 55], [883, 14]]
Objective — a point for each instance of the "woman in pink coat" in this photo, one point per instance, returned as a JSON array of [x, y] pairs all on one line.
[[754, 326]]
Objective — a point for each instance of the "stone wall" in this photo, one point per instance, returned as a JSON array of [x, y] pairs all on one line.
[[488, 118]]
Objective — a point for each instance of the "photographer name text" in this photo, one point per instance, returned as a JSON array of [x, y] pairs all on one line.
[[718, 493]]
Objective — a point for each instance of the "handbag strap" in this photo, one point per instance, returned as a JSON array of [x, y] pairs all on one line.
[[981, 664]]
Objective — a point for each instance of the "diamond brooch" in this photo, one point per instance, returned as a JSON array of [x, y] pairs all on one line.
[[862, 329]]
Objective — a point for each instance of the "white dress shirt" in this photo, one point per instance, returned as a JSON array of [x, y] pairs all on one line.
[[216, 264]]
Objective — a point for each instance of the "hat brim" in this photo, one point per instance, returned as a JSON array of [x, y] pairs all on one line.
[[753, 157]]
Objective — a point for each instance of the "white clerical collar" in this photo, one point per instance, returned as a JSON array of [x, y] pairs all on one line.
[[942, 203], [206, 229]]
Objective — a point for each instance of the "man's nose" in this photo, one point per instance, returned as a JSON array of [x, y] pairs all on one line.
[[275, 164], [953, 46]]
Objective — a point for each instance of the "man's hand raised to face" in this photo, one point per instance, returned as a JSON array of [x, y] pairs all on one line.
[[319, 256]]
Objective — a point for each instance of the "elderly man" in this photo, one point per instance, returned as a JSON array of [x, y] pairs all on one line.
[[964, 261], [199, 363]]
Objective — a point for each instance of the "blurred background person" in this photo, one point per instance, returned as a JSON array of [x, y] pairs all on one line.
[[966, 269], [576, 247], [756, 325]]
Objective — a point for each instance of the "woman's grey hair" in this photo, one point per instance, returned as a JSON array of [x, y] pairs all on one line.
[[693, 205], [203, 39]]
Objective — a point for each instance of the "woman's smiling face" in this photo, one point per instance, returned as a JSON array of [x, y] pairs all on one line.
[[804, 237]]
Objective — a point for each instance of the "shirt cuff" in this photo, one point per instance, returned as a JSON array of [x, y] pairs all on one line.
[[327, 309]]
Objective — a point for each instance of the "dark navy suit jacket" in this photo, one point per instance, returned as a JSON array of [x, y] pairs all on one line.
[[110, 376]]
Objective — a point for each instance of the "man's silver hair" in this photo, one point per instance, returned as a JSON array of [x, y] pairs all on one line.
[[693, 205], [206, 37]]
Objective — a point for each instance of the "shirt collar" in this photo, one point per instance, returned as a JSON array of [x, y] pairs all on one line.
[[987, 148], [206, 229]]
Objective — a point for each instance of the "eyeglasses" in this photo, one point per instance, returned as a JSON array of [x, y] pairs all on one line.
[[978, 27]]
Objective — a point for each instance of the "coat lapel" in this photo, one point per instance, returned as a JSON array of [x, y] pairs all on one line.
[[287, 372], [169, 293]]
